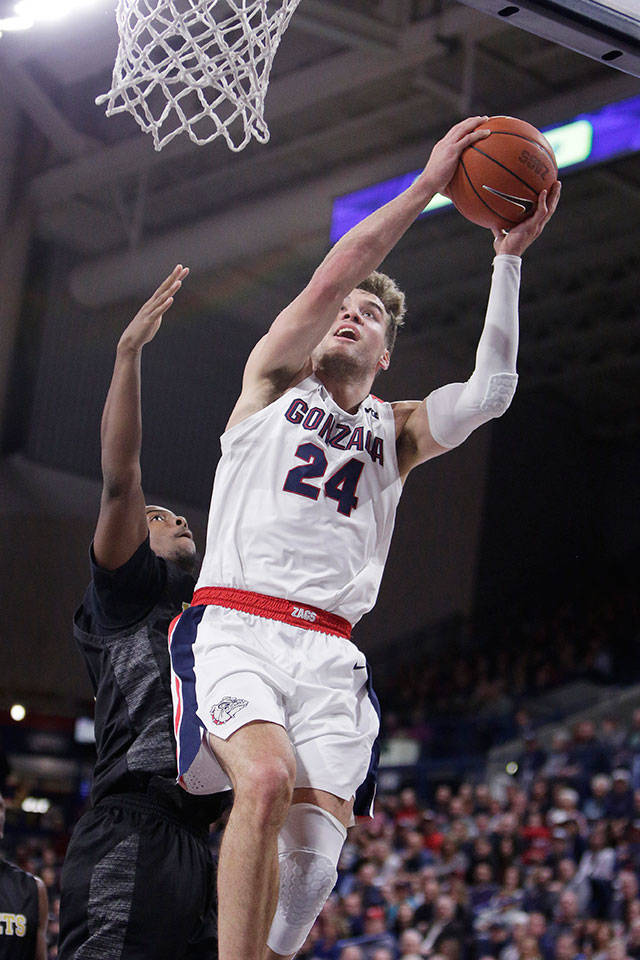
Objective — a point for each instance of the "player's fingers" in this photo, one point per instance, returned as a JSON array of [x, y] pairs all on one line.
[[178, 273], [473, 137], [157, 310], [466, 126], [554, 195]]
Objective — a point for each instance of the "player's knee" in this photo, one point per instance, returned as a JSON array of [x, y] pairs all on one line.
[[266, 788], [309, 846]]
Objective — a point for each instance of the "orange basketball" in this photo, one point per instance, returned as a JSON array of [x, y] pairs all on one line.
[[498, 179]]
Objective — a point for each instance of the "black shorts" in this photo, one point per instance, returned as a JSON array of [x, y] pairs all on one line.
[[137, 885]]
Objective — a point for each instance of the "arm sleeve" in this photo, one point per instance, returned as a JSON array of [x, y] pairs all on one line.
[[456, 409]]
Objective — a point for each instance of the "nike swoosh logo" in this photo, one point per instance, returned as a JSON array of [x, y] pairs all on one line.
[[527, 206], [359, 666]]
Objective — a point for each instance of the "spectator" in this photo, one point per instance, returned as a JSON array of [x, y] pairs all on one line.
[[619, 802], [410, 943], [351, 953], [594, 807], [444, 926], [425, 912], [597, 867]]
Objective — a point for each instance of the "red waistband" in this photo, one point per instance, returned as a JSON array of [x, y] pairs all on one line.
[[274, 608]]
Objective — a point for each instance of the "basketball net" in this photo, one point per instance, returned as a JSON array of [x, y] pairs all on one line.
[[180, 70]]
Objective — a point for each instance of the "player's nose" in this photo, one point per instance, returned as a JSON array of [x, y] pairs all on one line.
[[181, 521]]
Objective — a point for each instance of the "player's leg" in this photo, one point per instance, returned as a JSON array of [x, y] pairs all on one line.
[[260, 763], [309, 847]]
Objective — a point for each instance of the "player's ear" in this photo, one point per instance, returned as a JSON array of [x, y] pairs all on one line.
[[384, 361]]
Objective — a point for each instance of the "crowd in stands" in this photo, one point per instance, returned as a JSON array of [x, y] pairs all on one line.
[[543, 865]]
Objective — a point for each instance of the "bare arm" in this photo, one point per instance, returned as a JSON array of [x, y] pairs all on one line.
[[122, 522], [43, 920], [467, 405], [282, 355]]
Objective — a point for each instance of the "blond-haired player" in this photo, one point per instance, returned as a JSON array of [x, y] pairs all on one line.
[[270, 694]]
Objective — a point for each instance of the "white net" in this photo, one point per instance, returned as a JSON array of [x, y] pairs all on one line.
[[199, 67]]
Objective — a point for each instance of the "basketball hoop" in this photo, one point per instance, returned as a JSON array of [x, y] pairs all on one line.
[[199, 67]]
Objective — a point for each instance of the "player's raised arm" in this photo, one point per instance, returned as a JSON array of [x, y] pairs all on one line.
[[283, 352], [425, 429], [122, 522]]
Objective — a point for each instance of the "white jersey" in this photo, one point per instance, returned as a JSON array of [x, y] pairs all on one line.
[[304, 502]]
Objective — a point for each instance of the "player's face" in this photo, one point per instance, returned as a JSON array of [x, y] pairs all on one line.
[[358, 334], [169, 535]]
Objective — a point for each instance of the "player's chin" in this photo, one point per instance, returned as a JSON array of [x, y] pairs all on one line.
[[185, 547]]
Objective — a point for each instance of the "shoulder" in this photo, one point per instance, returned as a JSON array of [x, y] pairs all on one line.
[[122, 597], [256, 407]]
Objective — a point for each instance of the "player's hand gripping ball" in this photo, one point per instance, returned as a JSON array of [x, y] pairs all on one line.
[[498, 179]]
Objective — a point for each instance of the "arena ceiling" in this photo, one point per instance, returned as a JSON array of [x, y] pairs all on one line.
[[359, 91]]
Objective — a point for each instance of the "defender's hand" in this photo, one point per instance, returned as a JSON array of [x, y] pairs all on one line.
[[147, 320], [519, 238], [446, 153]]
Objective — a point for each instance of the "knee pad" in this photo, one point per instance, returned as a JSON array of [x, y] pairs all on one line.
[[309, 846]]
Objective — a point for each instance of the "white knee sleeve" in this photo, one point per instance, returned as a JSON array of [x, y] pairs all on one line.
[[309, 846], [456, 409]]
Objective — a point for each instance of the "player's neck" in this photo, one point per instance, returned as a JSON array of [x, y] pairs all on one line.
[[348, 394]]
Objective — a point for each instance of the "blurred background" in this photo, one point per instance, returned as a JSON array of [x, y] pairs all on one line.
[[508, 614]]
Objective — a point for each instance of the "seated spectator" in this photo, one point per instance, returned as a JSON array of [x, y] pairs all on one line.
[[597, 867], [431, 836], [407, 813], [351, 953], [567, 918], [353, 914], [537, 929], [383, 953], [410, 944], [519, 931], [624, 895], [619, 802], [617, 949], [430, 891], [557, 764], [602, 937], [594, 807], [444, 926], [565, 948], [536, 840], [538, 895], [483, 888]]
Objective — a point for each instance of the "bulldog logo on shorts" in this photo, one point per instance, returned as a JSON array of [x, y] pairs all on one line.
[[226, 709]]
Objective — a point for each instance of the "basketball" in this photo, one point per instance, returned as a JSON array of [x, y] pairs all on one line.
[[498, 179]]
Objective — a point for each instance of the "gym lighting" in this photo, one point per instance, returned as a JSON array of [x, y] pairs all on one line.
[[27, 13], [35, 804], [587, 139], [17, 712]]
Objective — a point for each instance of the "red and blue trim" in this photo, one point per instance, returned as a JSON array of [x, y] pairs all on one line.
[[186, 725]]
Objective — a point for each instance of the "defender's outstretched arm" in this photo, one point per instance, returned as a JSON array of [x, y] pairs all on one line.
[[122, 522]]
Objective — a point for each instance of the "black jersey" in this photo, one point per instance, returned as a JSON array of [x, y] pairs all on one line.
[[121, 629], [18, 913]]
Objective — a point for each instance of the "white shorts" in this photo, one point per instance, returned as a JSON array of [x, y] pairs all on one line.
[[230, 668]]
